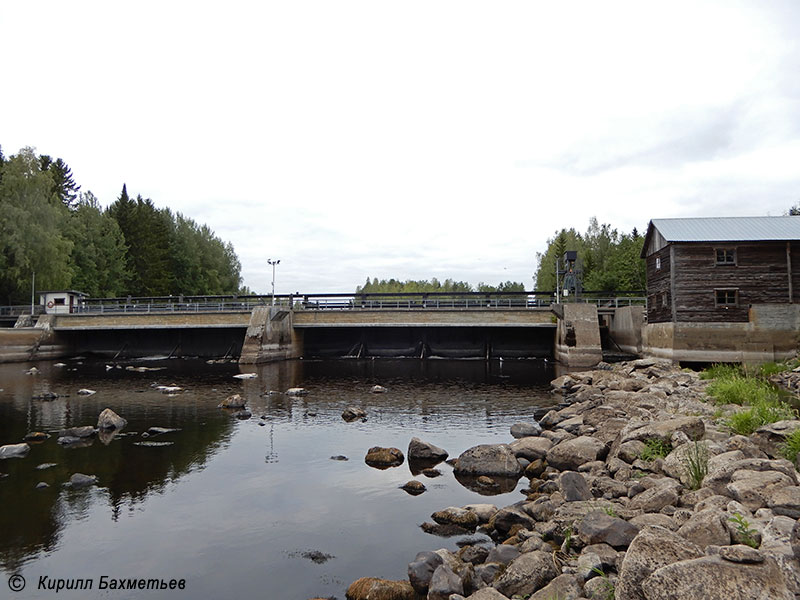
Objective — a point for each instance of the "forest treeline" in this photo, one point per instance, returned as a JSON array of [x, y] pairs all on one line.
[[50, 227], [610, 261], [392, 286]]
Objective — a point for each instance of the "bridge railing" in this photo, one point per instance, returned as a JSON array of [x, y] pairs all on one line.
[[20, 309], [371, 301]]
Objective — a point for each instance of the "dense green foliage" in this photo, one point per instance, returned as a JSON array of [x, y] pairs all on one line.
[[69, 241], [762, 403], [610, 261], [394, 286]]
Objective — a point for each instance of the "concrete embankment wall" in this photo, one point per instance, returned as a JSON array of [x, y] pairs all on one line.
[[772, 334], [626, 327], [578, 335], [31, 343], [270, 336]]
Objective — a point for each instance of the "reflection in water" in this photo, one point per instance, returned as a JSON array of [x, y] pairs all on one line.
[[244, 495]]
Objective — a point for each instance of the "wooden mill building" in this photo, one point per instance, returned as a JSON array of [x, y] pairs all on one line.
[[722, 288]]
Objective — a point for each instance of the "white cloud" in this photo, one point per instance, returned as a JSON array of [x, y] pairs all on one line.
[[415, 139]]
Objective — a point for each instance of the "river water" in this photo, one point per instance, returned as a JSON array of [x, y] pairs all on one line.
[[234, 507]]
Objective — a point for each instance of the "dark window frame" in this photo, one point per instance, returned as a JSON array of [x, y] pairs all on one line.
[[722, 297], [59, 301], [726, 254]]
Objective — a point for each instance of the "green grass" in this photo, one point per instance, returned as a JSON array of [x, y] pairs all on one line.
[[654, 448], [771, 368], [695, 464], [759, 413], [740, 389], [720, 371], [791, 447]]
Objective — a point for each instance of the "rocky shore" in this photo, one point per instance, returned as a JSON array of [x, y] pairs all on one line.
[[636, 493]]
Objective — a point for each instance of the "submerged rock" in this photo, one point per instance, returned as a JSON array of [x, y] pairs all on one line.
[[86, 392], [339, 457], [297, 392], [413, 487], [233, 401], [378, 389], [44, 466], [153, 444], [351, 413], [79, 480], [86, 431], [36, 436], [161, 430]]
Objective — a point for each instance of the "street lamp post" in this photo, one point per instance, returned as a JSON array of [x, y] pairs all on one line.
[[273, 263]]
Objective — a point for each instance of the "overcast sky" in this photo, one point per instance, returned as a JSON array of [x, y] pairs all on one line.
[[410, 139]]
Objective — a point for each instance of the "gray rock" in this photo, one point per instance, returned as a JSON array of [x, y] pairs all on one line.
[[488, 572], [473, 554], [654, 499], [532, 448], [484, 512], [444, 582], [769, 438], [598, 588], [794, 540], [652, 549], [598, 527], [14, 451], [630, 451], [573, 487], [42, 485], [786, 501], [714, 578], [79, 432], [507, 517], [662, 430], [754, 489], [74, 442], [502, 554], [421, 569], [522, 430], [706, 527], [718, 478], [35, 436], [108, 419], [487, 593], [161, 430], [526, 574], [352, 413], [648, 519], [489, 459], [79, 480], [297, 392], [563, 587], [741, 554], [419, 450], [571, 454]]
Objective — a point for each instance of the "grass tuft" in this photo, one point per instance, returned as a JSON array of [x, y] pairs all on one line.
[[655, 448], [791, 447], [739, 389], [720, 371], [759, 413], [696, 465]]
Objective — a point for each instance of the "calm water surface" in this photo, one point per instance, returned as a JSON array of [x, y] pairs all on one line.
[[231, 506]]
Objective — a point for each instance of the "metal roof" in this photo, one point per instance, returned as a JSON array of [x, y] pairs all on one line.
[[729, 229]]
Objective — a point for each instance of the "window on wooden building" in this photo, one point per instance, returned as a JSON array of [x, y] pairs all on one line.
[[726, 297], [726, 256], [658, 262]]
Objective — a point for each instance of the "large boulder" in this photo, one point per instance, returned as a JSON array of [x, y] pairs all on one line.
[[715, 578], [571, 454], [663, 430], [769, 438], [425, 451], [526, 574], [563, 587], [786, 501], [383, 458], [14, 450], [372, 588], [489, 459], [654, 499], [651, 549], [79, 480], [754, 489], [573, 486], [108, 419], [505, 518], [453, 515]]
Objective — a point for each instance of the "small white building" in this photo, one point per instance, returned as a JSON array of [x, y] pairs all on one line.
[[61, 301]]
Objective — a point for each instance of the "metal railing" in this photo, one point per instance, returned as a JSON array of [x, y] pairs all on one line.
[[370, 301]]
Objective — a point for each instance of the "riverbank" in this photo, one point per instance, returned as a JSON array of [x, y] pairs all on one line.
[[638, 490]]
